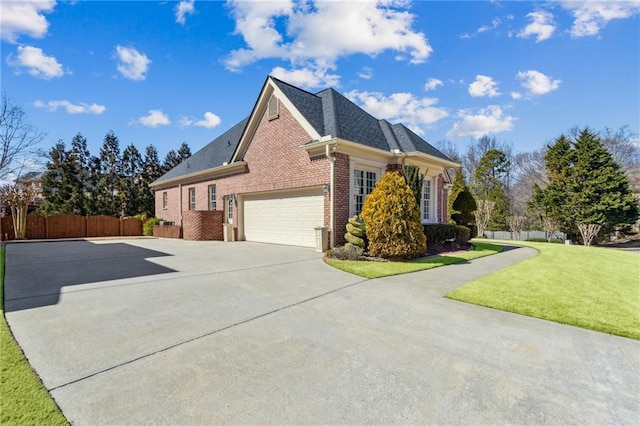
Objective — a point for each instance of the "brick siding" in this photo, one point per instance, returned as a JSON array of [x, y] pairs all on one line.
[[202, 225], [276, 161]]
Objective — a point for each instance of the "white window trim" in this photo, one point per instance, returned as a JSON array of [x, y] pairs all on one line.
[[215, 193], [165, 200], [433, 213], [228, 208], [367, 166], [192, 204]]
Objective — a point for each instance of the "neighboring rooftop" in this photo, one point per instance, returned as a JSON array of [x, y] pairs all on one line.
[[30, 176], [329, 113]]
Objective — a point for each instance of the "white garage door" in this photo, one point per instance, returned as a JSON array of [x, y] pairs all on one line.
[[288, 218]]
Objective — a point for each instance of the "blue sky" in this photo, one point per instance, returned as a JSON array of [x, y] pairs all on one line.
[[161, 73]]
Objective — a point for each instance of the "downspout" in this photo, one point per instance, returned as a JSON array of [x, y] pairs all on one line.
[[180, 204], [331, 196]]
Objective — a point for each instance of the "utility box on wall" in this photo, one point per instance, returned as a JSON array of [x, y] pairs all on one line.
[[322, 242]]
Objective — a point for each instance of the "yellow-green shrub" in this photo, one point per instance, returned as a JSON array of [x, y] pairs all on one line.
[[392, 219]]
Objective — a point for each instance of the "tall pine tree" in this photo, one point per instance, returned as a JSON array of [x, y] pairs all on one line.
[[490, 175], [586, 186]]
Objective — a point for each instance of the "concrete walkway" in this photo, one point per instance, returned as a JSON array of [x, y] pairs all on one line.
[[177, 332]]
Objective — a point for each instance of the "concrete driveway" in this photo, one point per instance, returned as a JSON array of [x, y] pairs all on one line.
[[159, 331]]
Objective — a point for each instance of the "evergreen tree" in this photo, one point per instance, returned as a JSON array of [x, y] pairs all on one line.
[[464, 206], [58, 184], [457, 187], [133, 185], [79, 156], [174, 158], [490, 175], [586, 186], [151, 171], [111, 195], [392, 219], [184, 151], [414, 179], [600, 189]]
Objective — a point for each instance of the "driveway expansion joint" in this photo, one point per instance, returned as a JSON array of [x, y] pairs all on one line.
[[202, 336]]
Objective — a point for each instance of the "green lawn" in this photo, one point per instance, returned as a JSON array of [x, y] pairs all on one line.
[[589, 287], [23, 398], [384, 269]]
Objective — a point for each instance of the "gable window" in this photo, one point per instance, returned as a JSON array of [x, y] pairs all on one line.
[[229, 207], [165, 200], [212, 198], [363, 183], [426, 209], [192, 198], [273, 108]]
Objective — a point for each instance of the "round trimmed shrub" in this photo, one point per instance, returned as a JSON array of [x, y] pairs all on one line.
[[392, 219]]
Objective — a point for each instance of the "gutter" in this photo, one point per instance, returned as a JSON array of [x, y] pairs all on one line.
[[224, 170]]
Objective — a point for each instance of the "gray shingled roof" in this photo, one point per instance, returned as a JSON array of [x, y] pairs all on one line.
[[214, 154], [330, 113]]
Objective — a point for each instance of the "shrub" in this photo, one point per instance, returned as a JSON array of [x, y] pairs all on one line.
[[392, 219], [346, 252], [414, 180], [462, 235], [356, 233], [464, 205], [438, 233], [147, 227]]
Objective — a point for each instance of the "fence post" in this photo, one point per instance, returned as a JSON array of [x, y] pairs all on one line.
[[121, 223]]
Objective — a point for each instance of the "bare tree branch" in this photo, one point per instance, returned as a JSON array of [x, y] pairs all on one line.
[[18, 138]]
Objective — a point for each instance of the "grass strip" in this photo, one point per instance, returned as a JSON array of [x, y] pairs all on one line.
[[23, 398], [368, 269], [589, 287]]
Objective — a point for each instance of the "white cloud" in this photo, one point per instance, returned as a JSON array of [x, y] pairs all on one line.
[[36, 62], [307, 77], [541, 26], [24, 17], [591, 16], [210, 121], [81, 108], [516, 95], [493, 26], [183, 9], [495, 23], [155, 118], [133, 64], [366, 73], [432, 84], [483, 86], [400, 107], [313, 35], [489, 120], [537, 83]]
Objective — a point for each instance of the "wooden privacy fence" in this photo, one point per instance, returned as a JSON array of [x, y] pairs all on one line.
[[72, 226]]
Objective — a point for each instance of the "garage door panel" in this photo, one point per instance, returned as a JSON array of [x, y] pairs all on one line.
[[283, 219]]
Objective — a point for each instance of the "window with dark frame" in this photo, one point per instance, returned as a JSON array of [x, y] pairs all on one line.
[[165, 200]]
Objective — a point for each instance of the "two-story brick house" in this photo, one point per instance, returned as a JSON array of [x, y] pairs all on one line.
[[299, 161]]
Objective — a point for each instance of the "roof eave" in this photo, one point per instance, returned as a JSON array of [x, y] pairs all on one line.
[[433, 158], [214, 172]]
